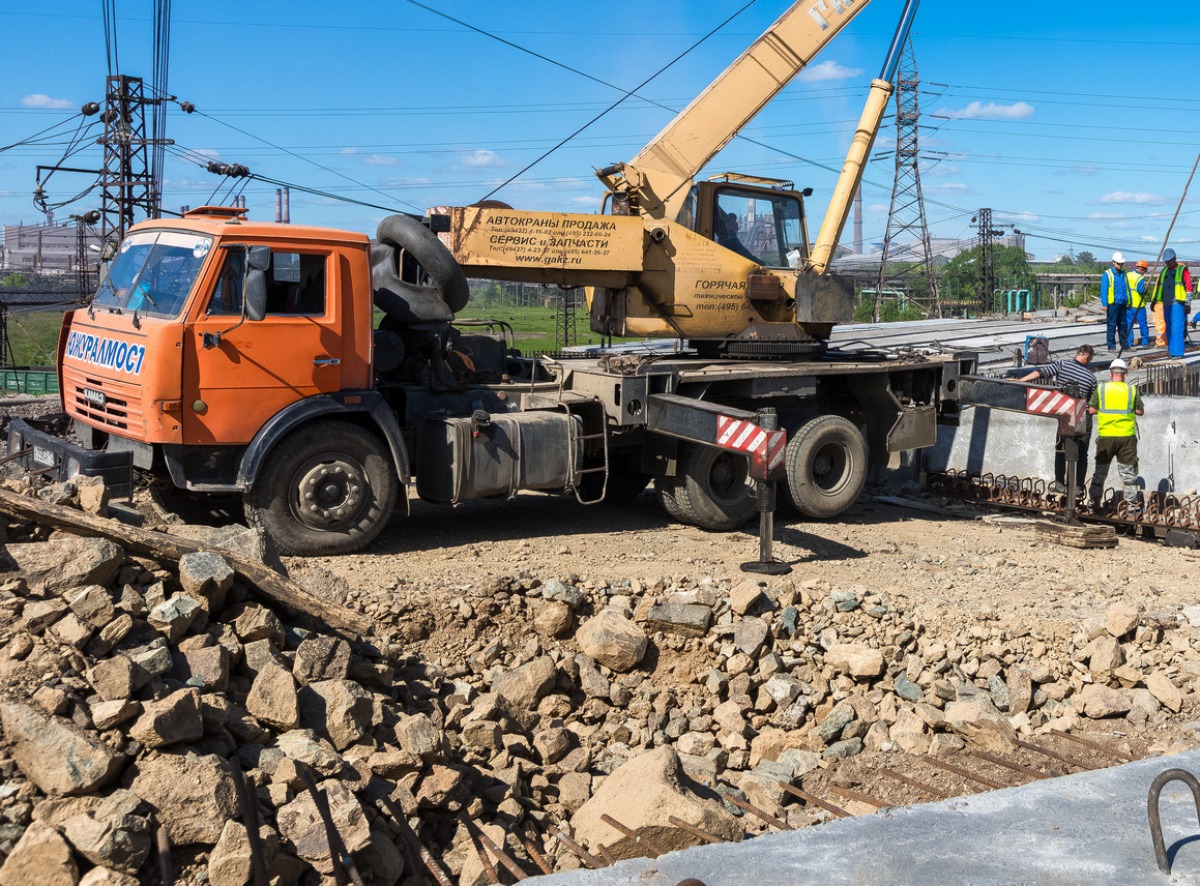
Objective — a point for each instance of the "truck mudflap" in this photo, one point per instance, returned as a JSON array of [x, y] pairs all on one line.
[[463, 458], [38, 450]]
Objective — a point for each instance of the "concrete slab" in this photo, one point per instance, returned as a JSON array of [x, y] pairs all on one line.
[[1081, 830]]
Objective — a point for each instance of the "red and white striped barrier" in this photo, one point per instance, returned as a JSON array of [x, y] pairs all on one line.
[[765, 448], [1071, 411]]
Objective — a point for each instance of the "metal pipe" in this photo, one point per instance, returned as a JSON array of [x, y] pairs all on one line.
[[892, 61]]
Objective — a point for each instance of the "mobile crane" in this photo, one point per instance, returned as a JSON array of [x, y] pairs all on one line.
[[237, 356]]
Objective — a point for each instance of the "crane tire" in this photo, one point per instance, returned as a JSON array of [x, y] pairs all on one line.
[[326, 488], [664, 491], [713, 489], [826, 463]]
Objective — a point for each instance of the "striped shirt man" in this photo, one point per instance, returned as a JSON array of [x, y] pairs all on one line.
[[1069, 372]]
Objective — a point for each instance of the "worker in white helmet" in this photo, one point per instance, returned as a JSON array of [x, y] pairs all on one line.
[[1117, 404], [1116, 287]]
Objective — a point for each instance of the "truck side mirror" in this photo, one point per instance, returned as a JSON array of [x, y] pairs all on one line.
[[254, 288]]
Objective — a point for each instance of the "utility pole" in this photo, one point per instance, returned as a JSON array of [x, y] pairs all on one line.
[[128, 180], [987, 266], [565, 330], [906, 214]]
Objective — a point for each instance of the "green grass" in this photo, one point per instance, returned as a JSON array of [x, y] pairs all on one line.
[[534, 326], [34, 338]]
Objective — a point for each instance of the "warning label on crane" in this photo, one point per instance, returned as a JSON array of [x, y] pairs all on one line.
[[520, 238]]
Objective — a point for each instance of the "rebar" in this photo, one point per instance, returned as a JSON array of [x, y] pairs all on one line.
[[632, 835], [415, 846], [963, 773], [582, 854], [927, 789], [248, 805], [837, 811], [1008, 764], [692, 829], [501, 856], [344, 869], [758, 813], [1114, 753]]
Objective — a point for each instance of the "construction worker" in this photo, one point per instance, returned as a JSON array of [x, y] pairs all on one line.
[[1114, 295], [1073, 372], [1174, 290], [1137, 304], [1116, 405], [1160, 320]]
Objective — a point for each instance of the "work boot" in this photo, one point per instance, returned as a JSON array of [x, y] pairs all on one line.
[[1057, 488]]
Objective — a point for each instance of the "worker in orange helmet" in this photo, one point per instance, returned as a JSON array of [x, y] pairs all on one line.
[[1137, 305]]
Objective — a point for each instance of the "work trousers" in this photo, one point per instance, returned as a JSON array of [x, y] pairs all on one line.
[[1118, 326], [1176, 327], [1160, 325], [1060, 457], [1124, 451], [1137, 321]]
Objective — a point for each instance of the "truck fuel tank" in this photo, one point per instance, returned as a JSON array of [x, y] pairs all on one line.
[[459, 458]]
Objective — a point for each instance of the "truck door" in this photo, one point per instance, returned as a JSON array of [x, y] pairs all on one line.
[[237, 374]]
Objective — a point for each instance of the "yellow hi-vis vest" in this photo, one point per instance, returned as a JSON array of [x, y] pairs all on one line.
[[1115, 416], [1137, 299], [1181, 293]]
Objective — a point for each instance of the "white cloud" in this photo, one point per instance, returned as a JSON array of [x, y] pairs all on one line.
[[1078, 170], [1024, 217], [1129, 197], [991, 111], [829, 70], [380, 160], [346, 151], [481, 158], [41, 100], [1106, 216], [948, 188]]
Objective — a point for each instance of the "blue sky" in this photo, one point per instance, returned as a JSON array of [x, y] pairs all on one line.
[[1063, 118]]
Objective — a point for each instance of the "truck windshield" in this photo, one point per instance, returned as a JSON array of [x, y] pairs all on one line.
[[153, 272]]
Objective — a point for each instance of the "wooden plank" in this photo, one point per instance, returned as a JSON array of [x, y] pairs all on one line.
[[264, 582]]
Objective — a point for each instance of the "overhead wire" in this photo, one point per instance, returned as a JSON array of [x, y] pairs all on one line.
[[626, 93]]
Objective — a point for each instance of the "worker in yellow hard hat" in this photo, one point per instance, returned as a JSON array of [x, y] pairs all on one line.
[[1137, 305]]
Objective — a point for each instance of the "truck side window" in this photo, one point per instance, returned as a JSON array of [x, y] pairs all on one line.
[[227, 296], [295, 285]]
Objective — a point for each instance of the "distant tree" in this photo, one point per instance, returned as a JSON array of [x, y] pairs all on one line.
[[1085, 258], [961, 276], [15, 280]]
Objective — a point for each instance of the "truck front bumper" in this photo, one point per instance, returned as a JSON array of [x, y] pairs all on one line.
[[62, 460]]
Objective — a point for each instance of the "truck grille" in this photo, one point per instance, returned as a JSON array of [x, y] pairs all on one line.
[[102, 402]]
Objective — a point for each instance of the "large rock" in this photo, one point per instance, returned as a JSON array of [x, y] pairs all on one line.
[[206, 576], [40, 857], [643, 794], [1104, 701], [300, 823], [341, 709], [273, 700], [113, 834], [524, 687], [684, 619], [612, 640], [321, 658], [855, 659], [193, 795], [171, 720], [55, 754], [67, 562]]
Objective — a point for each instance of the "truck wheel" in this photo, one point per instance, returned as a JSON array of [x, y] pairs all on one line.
[[664, 491], [327, 488], [826, 466], [714, 489]]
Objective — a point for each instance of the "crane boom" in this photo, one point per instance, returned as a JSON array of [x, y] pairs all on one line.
[[658, 178]]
